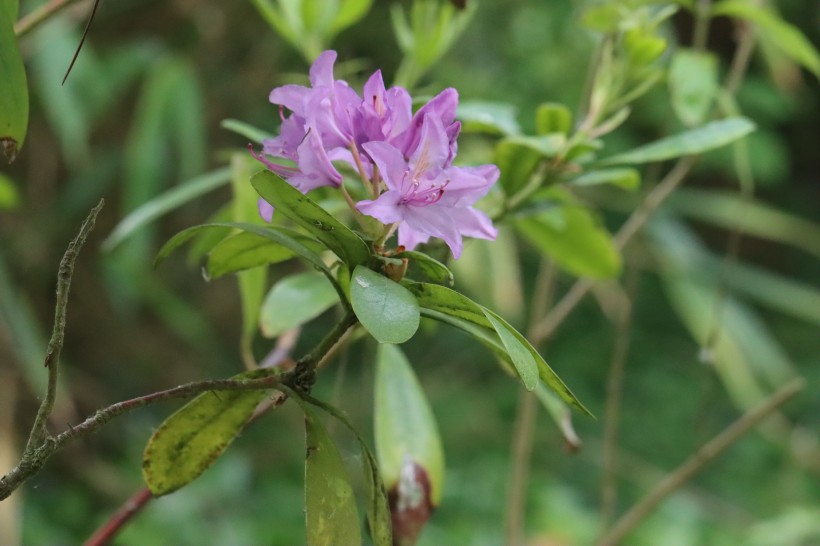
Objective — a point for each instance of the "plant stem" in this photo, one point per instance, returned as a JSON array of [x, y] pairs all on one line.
[[39, 430], [304, 373], [700, 36], [525, 420], [127, 511], [544, 329], [33, 460], [694, 464], [29, 22], [612, 407]]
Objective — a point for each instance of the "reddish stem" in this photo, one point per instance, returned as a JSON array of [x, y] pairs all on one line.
[[131, 508]]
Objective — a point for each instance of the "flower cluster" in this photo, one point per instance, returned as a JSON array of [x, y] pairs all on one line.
[[404, 159]]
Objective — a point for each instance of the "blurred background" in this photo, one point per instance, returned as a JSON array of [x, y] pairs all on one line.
[[141, 113]]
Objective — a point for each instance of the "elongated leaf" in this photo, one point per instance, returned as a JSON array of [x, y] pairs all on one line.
[[385, 308], [350, 12], [331, 516], [520, 355], [246, 250], [165, 203], [190, 440], [432, 269], [442, 300], [289, 201], [782, 35], [405, 427], [729, 210], [695, 141], [560, 413], [622, 177], [295, 300], [378, 510], [272, 233], [693, 85], [488, 117], [448, 301], [254, 134], [574, 239], [13, 86]]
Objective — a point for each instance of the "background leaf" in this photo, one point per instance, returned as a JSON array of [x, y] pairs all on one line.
[[294, 300], [695, 141]]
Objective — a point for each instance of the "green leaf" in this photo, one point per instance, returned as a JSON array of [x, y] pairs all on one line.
[[191, 439], [729, 210], [693, 85], [246, 130], [13, 86], [405, 427], [9, 196], [331, 516], [432, 269], [378, 509], [488, 117], [289, 201], [695, 141], [246, 250], [350, 12], [518, 158], [560, 413], [781, 34], [572, 236], [445, 300], [294, 301], [436, 300], [622, 177], [552, 117], [520, 355], [385, 308], [165, 203], [277, 235]]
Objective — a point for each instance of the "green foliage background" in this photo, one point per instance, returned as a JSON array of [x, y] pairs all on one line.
[[142, 111]]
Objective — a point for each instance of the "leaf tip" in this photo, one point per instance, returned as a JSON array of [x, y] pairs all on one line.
[[10, 148]]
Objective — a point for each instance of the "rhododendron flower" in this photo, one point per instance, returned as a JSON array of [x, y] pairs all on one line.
[[427, 197], [381, 139]]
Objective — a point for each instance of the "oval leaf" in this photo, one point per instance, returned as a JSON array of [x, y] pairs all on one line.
[[331, 516], [707, 137], [190, 440], [405, 427], [295, 300], [13, 86], [385, 308], [292, 203]]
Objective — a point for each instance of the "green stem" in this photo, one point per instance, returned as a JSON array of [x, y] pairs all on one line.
[[304, 374]]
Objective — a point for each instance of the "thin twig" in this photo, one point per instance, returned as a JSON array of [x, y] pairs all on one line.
[[525, 420], [544, 329], [612, 405], [39, 431], [82, 40], [127, 511], [694, 464], [29, 22]]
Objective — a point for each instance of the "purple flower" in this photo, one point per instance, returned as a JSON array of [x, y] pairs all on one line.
[[426, 196], [379, 137]]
